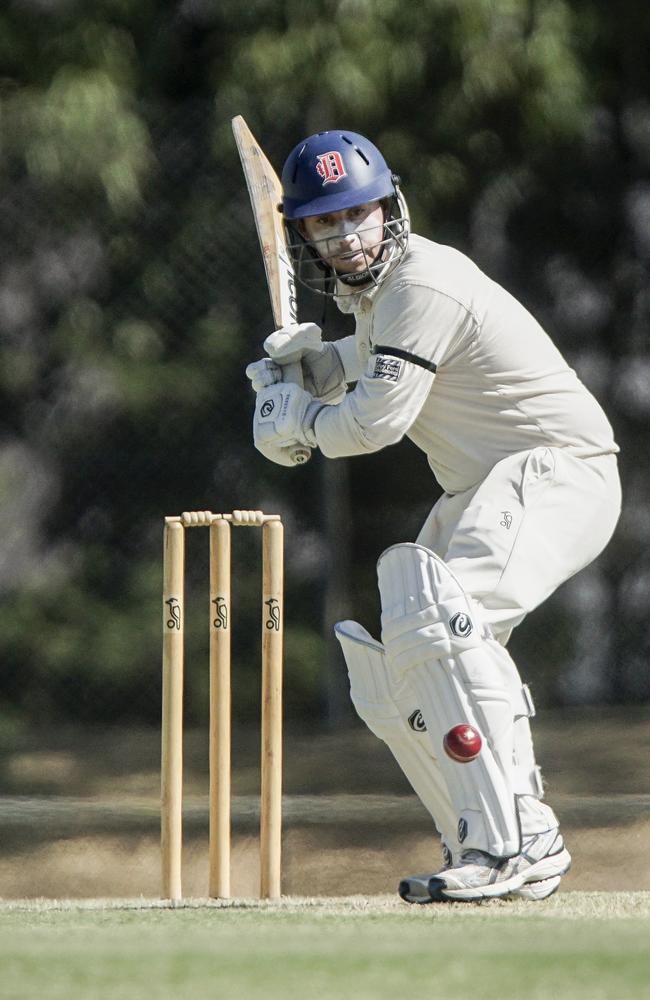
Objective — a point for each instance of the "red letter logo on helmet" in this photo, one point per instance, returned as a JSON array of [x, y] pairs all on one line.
[[330, 167]]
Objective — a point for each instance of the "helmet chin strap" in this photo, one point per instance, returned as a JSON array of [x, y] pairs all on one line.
[[355, 279], [366, 277]]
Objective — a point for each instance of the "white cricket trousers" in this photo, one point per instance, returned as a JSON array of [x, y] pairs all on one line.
[[538, 517]]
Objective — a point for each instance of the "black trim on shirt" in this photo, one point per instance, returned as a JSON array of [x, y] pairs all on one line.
[[397, 352]]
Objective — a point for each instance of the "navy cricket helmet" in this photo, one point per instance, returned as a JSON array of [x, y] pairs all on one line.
[[330, 172]]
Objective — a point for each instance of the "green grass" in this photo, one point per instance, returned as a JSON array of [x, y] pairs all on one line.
[[574, 946]]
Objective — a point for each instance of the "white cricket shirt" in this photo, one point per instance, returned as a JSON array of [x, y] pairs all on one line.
[[446, 356]]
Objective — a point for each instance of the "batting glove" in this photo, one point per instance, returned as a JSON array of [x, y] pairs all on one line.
[[322, 368], [284, 415]]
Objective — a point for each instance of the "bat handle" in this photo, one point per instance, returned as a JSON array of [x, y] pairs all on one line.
[[293, 373]]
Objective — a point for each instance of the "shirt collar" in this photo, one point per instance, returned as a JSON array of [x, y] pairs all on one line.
[[353, 303]]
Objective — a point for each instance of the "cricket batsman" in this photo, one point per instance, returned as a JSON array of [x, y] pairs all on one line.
[[527, 462]]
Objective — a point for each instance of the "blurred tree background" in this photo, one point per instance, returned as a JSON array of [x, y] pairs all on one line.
[[132, 296]]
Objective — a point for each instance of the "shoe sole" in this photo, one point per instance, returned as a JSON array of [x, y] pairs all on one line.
[[553, 865], [534, 891]]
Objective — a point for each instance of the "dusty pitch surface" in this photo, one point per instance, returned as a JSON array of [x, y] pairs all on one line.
[[575, 946], [564, 905], [79, 811], [331, 843]]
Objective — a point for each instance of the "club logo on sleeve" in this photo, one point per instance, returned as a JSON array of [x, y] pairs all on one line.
[[267, 408], [386, 367], [331, 168]]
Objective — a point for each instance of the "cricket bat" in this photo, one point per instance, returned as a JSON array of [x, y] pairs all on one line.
[[265, 194]]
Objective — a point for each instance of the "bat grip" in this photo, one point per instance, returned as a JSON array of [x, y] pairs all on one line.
[[293, 373]]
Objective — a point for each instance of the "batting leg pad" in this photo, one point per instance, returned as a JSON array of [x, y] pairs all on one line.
[[534, 815], [392, 713], [434, 639]]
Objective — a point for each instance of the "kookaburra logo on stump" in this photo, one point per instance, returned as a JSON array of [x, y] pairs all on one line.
[[174, 620], [273, 620], [221, 610]]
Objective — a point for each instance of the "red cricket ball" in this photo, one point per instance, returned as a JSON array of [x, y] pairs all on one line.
[[463, 743]]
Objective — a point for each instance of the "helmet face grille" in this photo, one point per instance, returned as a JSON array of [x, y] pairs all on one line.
[[318, 275]]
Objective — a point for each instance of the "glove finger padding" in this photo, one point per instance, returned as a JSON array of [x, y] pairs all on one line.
[[290, 343], [322, 369], [263, 373]]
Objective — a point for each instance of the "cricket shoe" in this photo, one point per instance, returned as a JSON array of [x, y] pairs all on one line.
[[478, 875], [424, 889], [415, 888]]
